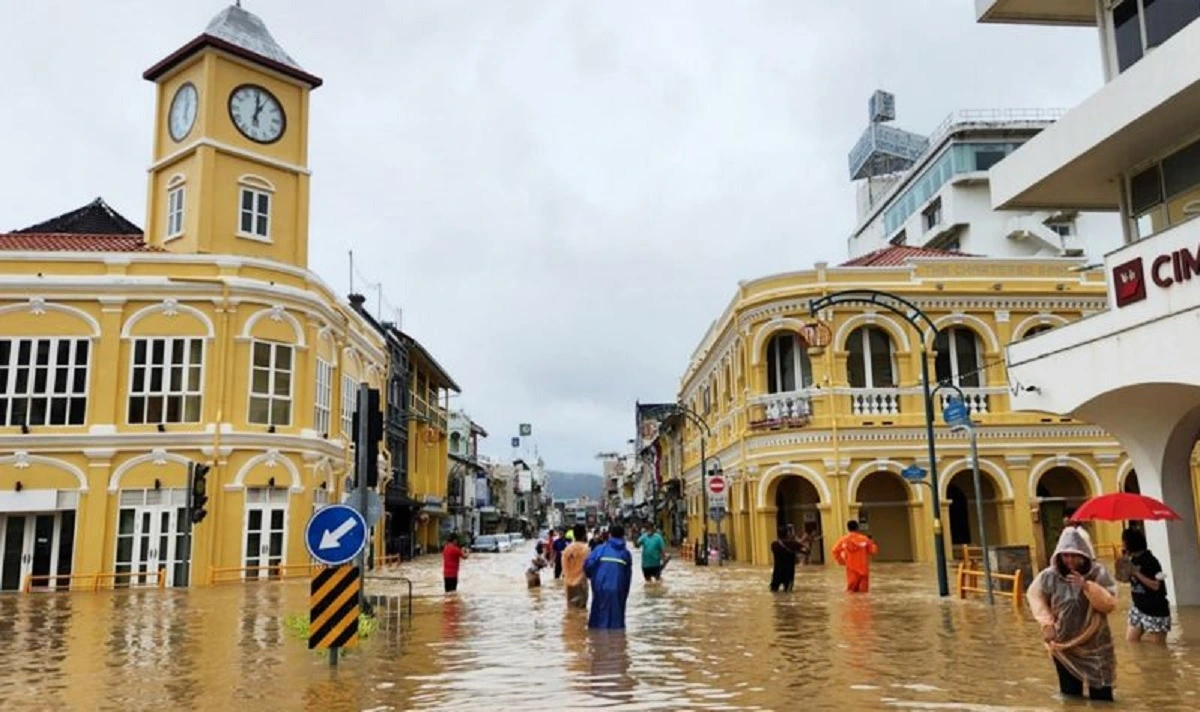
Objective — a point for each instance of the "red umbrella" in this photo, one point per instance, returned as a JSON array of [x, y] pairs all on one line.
[[1123, 507]]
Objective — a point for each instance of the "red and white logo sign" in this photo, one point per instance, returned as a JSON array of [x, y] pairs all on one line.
[[716, 484], [1129, 282]]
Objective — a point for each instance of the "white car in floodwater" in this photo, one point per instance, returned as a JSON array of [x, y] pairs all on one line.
[[494, 543]]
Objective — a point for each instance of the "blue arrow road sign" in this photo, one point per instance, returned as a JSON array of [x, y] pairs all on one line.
[[956, 413], [913, 473], [335, 534]]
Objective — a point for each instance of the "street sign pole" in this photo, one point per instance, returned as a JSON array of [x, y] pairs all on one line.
[[364, 430], [987, 561]]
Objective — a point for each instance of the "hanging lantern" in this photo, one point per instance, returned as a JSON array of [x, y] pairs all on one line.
[[817, 336]]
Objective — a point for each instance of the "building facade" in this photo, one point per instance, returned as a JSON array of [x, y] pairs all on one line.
[[429, 388], [1130, 148], [932, 191], [817, 435], [126, 355], [465, 472]]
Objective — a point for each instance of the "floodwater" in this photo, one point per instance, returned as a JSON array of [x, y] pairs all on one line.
[[707, 638]]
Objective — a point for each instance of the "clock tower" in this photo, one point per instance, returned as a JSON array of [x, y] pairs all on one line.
[[230, 165]]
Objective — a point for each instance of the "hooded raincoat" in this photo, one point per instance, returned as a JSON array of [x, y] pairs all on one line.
[[610, 568], [1082, 639]]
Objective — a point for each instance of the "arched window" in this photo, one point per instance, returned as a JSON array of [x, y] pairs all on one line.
[[455, 443], [959, 357], [788, 367], [1037, 329], [870, 364]]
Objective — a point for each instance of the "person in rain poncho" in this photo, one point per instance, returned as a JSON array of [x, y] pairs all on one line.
[[854, 551], [610, 568], [1071, 599]]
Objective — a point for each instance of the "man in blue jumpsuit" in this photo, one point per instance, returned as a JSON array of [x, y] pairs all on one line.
[[610, 568]]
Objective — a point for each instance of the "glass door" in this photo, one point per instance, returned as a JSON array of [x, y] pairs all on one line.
[[153, 533], [266, 532], [12, 552]]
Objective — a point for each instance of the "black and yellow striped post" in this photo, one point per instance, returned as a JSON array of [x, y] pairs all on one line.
[[333, 618]]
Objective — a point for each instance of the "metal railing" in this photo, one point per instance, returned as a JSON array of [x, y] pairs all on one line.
[[402, 579], [968, 582], [275, 572], [990, 116], [96, 581]]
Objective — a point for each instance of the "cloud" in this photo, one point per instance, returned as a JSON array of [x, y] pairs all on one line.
[[560, 194]]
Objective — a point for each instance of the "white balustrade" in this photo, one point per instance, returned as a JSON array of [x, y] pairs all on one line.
[[977, 400], [783, 407], [875, 401]]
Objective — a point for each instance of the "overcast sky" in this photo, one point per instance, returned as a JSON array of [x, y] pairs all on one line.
[[560, 194]]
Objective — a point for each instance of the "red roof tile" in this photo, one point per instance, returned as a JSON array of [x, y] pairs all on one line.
[[901, 254], [68, 242]]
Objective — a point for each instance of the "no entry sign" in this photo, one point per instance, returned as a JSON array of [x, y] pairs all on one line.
[[716, 492]]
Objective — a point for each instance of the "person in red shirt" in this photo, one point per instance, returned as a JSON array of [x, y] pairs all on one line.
[[854, 551], [452, 554]]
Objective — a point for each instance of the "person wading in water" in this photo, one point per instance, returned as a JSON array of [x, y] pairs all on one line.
[[1071, 599], [854, 551], [610, 568], [785, 551], [573, 559]]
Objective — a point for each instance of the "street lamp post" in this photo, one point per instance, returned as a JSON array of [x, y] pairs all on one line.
[[969, 427], [908, 311], [704, 432]]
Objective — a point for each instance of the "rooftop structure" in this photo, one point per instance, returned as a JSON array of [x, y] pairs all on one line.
[[939, 198]]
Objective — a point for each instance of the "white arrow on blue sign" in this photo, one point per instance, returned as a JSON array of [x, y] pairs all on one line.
[[956, 413], [335, 534]]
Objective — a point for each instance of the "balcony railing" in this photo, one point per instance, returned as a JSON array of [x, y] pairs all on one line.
[[780, 410], [875, 401], [420, 409], [977, 400]]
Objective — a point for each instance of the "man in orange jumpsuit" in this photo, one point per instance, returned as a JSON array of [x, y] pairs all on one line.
[[854, 551]]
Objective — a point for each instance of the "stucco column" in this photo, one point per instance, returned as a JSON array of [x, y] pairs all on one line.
[[1109, 533], [95, 530], [1023, 529], [766, 533], [105, 402]]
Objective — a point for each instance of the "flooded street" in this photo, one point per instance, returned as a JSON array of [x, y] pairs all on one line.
[[708, 638]]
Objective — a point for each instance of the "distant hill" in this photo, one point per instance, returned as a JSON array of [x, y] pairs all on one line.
[[569, 485]]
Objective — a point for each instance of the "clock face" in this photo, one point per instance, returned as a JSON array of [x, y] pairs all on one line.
[[183, 111], [257, 114]]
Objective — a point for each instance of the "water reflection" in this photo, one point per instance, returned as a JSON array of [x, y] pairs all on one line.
[[703, 639]]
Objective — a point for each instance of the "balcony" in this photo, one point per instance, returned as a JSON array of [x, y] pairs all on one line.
[[1144, 113], [977, 400], [780, 410], [875, 401], [433, 414], [1080, 13]]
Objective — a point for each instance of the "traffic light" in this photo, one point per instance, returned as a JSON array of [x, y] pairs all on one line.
[[369, 440], [197, 493]]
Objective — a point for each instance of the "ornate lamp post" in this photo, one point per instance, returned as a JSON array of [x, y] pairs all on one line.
[[916, 318]]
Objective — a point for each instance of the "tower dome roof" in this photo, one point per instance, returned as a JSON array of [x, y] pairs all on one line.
[[246, 30], [242, 33]]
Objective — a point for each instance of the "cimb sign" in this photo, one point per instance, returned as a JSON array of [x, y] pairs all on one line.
[[1166, 270]]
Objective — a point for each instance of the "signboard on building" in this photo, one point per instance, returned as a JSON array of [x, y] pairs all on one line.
[[524, 481], [483, 494], [526, 430]]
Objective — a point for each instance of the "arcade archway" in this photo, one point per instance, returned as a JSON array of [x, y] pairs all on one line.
[[884, 511], [797, 503], [964, 516], [1060, 491]]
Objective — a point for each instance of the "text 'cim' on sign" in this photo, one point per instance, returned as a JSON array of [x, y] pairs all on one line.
[[333, 614]]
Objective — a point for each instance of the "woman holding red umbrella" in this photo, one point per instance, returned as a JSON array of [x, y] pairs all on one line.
[[1150, 615]]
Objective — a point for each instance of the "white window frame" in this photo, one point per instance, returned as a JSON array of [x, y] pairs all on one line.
[[804, 376], [10, 395], [270, 395], [349, 404], [176, 202], [868, 362], [955, 377], [257, 188], [164, 392], [323, 398]]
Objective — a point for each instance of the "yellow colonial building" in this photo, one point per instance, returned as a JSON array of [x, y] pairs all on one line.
[[126, 355], [817, 436]]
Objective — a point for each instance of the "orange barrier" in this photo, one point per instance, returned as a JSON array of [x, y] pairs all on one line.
[[274, 572], [389, 560], [970, 554], [685, 550], [159, 577], [968, 581]]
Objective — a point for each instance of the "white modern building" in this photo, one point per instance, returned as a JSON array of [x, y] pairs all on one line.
[[932, 191], [1132, 148]]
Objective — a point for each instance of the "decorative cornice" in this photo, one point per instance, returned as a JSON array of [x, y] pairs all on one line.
[[106, 446]]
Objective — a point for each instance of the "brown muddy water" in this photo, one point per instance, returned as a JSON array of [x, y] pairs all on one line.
[[707, 638]]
